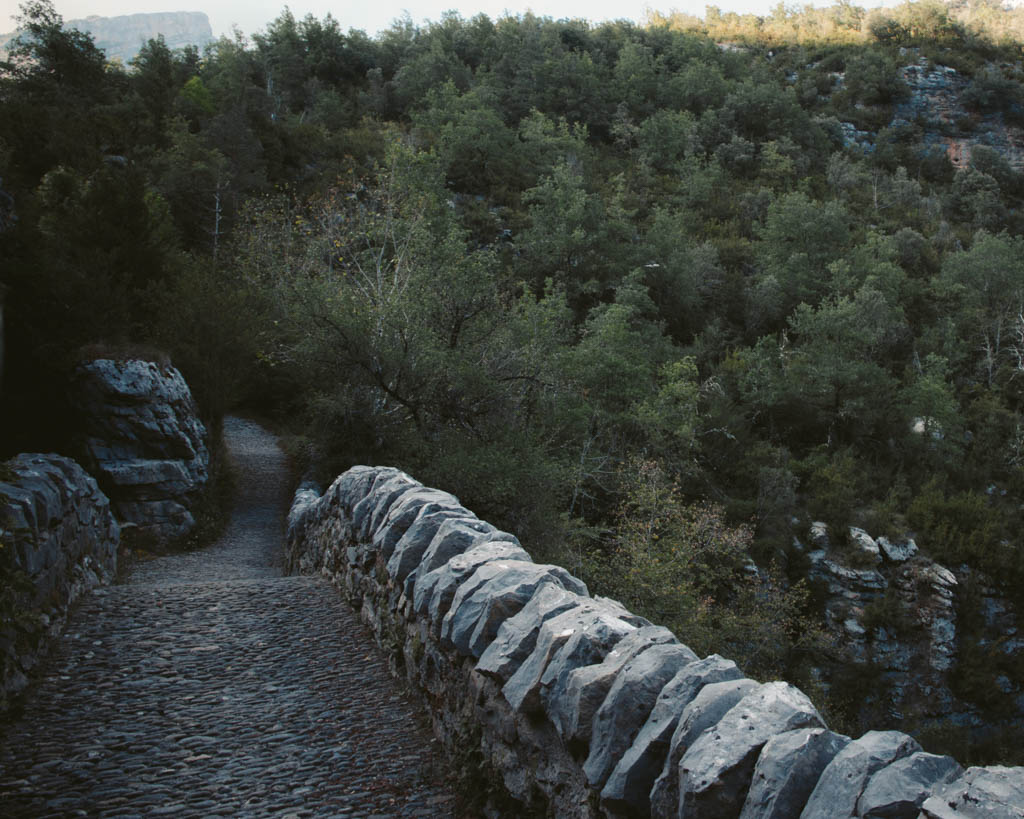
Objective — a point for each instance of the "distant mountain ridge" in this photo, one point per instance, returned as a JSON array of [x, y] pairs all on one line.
[[121, 37]]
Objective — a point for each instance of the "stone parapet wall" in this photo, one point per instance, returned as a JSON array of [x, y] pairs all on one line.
[[572, 706], [58, 538]]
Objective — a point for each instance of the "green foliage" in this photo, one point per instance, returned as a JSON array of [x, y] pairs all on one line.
[[515, 255], [683, 566], [964, 527]]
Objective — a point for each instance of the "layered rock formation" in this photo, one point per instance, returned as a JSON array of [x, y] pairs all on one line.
[[573, 706], [58, 538], [936, 102], [121, 37], [143, 440], [891, 607]]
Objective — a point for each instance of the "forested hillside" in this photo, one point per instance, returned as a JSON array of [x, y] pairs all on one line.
[[655, 298]]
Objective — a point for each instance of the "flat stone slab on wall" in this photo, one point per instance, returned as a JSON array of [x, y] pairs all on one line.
[[572, 706]]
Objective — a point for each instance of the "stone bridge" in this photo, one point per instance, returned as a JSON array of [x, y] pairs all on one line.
[[213, 683]]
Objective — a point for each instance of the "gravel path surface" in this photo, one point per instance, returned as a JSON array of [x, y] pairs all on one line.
[[211, 685]]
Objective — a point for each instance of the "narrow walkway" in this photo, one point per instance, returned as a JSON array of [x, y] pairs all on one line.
[[211, 685]]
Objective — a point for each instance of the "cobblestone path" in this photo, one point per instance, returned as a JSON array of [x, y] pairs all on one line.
[[211, 685]]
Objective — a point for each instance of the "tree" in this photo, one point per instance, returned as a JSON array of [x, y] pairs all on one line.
[[986, 287], [55, 89], [800, 238]]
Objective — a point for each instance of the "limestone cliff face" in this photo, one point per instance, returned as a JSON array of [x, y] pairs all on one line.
[[936, 103], [122, 37], [920, 626], [937, 99]]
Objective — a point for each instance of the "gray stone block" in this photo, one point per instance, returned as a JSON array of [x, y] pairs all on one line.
[[900, 788], [523, 689], [517, 636], [846, 776], [497, 591], [716, 771], [787, 771], [580, 689], [453, 537], [628, 705], [404, 512], [703, 689], [387, 487], [993, 792], [410, 547], [435, 592]]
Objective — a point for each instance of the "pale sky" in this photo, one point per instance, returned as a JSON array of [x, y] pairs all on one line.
[[374, 15]]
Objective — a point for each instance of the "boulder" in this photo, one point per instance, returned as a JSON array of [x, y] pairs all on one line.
[[572, 704], [628, 705], [497, 591], [819, 536], [517, 636], [682, 691], [899, 789], [897, 552], [603, 625], [844, 779], [994, 792], [716, 771], [787, 771], [866, 544], [142, 438]]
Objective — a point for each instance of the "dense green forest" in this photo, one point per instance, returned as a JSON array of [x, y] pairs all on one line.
[[630, 292]]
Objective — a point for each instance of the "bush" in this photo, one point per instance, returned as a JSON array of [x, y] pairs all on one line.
[[682, 566]]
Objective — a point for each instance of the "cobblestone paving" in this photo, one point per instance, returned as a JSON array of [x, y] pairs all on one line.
[[211, 685]]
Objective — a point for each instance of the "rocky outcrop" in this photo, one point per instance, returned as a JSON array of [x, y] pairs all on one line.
[[936, 104], [58, 539], [144, 442], [121, 37], [891, 607], [569, 705], [936, 99]]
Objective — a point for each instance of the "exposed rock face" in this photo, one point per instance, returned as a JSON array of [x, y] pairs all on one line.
[[572, 704], [900, 615], [59, 539], [122, 37], [144, 442], [936, 101], [936, 95]]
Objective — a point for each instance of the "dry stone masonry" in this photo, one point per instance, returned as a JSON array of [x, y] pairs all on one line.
[[58, 539], [144, 441], [574, 707], [208, 684]]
